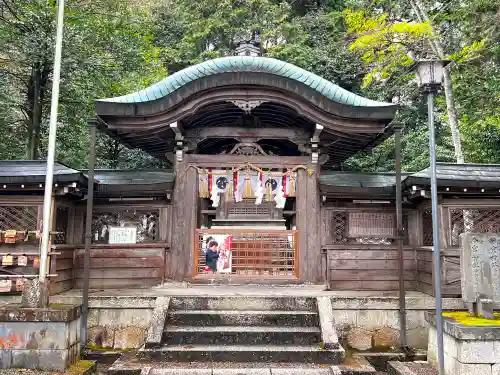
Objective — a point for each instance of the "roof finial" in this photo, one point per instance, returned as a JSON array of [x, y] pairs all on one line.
[[249, 46]]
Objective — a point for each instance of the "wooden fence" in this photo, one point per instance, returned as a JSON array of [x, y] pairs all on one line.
[[252, 252]]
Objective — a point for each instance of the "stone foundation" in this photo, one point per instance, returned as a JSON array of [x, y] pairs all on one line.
[[120, 319], [366, 323], [43, 339], [120, 323], [468, 350]]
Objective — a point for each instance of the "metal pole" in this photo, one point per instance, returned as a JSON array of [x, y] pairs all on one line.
[[400, 232], [435, 229], [47, 199], [88, 234]]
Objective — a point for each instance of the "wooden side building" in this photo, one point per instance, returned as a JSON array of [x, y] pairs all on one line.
[[255, 146]]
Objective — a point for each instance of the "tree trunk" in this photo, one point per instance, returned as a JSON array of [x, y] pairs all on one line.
[[438, 49], [452, 116], [31, 112], [37, 87]]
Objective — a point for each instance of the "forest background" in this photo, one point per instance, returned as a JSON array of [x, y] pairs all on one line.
[[113, 47]]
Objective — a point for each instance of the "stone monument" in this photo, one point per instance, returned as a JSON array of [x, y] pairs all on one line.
[[472, 340], [480, 272]]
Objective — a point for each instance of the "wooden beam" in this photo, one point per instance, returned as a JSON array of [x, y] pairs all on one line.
[[178, 130], [317, 131], [226, 161], [239, 132]]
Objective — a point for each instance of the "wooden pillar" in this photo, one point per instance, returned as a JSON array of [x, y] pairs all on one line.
[[308, 223], [184, 221]]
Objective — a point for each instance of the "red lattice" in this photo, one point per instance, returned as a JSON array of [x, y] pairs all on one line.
[[253, 252]]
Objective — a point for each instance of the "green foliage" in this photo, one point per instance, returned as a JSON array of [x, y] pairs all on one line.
[[107, 51], [385, 44], [113, 47]]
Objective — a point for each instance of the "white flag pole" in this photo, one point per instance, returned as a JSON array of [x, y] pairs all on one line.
[[47, 199]]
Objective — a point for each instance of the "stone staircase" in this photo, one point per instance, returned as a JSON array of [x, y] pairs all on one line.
[[241, 329], [268, 334]]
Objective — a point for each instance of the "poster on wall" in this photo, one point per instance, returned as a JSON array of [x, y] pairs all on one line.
[[218, 253]]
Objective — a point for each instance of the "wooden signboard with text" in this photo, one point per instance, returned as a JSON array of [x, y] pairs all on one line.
[[371, 224]]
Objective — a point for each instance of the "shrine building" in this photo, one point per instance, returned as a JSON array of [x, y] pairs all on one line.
[[255, 147]]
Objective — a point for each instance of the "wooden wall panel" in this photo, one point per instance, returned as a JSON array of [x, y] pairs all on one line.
[[450, 272], [368, 285], [124, 267], [64, 268], [369, 267]]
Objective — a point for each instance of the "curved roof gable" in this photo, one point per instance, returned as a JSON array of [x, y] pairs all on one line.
[[246, 64]]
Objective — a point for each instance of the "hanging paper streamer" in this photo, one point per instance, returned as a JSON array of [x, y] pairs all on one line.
[[280, 199], [219, 181], [272, 185], [259, 189], [247, 181], [239, 182]]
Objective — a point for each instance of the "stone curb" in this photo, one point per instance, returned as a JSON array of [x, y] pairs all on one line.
[[63, 313], [157, 325], [463, 332], [327, 323]]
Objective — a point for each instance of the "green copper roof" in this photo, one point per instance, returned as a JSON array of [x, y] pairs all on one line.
[[246, 64]]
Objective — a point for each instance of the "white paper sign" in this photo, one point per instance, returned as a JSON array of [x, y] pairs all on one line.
[[122, 235]]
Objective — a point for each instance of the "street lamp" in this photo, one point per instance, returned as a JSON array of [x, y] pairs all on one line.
[[429, 76]]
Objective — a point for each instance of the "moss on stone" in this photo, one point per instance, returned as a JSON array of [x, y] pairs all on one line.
[[467, 319], [81, 367], [97, 348], [58, 306]]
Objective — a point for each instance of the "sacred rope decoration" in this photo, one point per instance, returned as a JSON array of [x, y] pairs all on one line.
[[250, 166], [248, 181]]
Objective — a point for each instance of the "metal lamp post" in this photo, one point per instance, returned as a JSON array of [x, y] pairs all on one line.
[[429, 76]]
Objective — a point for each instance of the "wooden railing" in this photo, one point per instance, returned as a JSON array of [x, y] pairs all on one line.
[[249, 253]]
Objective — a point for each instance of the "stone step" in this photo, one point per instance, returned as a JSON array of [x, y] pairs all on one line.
[[243, 318], [245, 353], [411, 368], [356, 366], [380, 360], [136, 367], [255, 335], [254, 303], [240, 371]]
